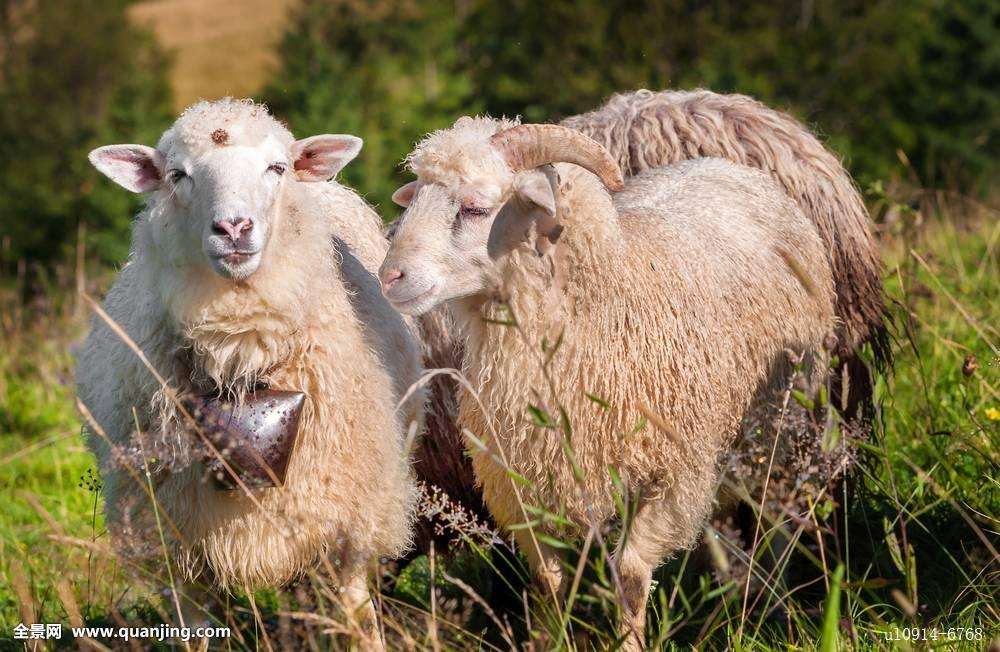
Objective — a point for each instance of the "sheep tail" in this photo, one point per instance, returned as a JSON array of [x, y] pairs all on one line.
[[644, 129]]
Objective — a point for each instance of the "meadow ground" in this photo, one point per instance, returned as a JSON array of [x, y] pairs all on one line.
[[915, 548]]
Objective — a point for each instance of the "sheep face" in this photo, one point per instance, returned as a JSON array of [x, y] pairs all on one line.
[[484, 188], [442, 247], [466, 211], [226, 201], [217, 178]]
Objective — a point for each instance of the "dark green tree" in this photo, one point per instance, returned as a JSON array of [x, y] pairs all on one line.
[[874, 78], [387, 71], [951, 100], [920, 76], [74, 74]]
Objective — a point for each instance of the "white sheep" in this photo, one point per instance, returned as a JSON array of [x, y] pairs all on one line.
[[681, 300], [242, 273]]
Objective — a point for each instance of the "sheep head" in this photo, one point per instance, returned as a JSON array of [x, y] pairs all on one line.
[[216, 179], [483, 188]]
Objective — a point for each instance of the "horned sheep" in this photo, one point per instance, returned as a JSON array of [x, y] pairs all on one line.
[[680, 301], [243, 274]]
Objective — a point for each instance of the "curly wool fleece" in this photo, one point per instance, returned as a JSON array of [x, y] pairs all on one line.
[[310, 319]]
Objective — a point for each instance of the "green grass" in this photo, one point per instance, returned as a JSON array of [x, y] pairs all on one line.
[[47, 480], [913, 547]]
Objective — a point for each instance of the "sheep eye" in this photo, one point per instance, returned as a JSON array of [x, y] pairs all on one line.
[[176, 175], [277, 168], [473, 211]]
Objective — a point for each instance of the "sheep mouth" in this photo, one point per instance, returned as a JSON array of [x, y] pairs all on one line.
[[237, 257], [415, 304], [236, 265]]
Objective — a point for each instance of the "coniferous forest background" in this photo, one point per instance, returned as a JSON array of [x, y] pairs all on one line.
[[901, 89]]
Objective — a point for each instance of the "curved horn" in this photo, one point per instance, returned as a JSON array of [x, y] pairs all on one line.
[[529, 146]]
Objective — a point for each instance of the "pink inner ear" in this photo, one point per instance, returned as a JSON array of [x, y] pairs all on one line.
[[135, 164], [317, 156], [146, 172], [309, 161]]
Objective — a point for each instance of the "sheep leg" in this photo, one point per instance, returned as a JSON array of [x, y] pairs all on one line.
[[199, 604], [635, 562], [200, 607], [545, 563], [661, 526], [360, 611]]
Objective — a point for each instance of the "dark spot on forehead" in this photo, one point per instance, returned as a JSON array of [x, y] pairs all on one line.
[[220, 136]]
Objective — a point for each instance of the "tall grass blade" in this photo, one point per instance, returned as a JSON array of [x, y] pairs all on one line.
[[831, 613]]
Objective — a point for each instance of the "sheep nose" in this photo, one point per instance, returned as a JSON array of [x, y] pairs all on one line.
[[233, 227], [389, 277]]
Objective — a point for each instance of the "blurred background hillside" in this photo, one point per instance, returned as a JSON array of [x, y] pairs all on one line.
[[904, 90]]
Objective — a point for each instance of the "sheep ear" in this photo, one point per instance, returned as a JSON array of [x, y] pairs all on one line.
[[404, 195], [537, 190], [134, 167], [320, 158]]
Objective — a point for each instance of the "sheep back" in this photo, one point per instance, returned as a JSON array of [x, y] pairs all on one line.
[[645, 129]]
